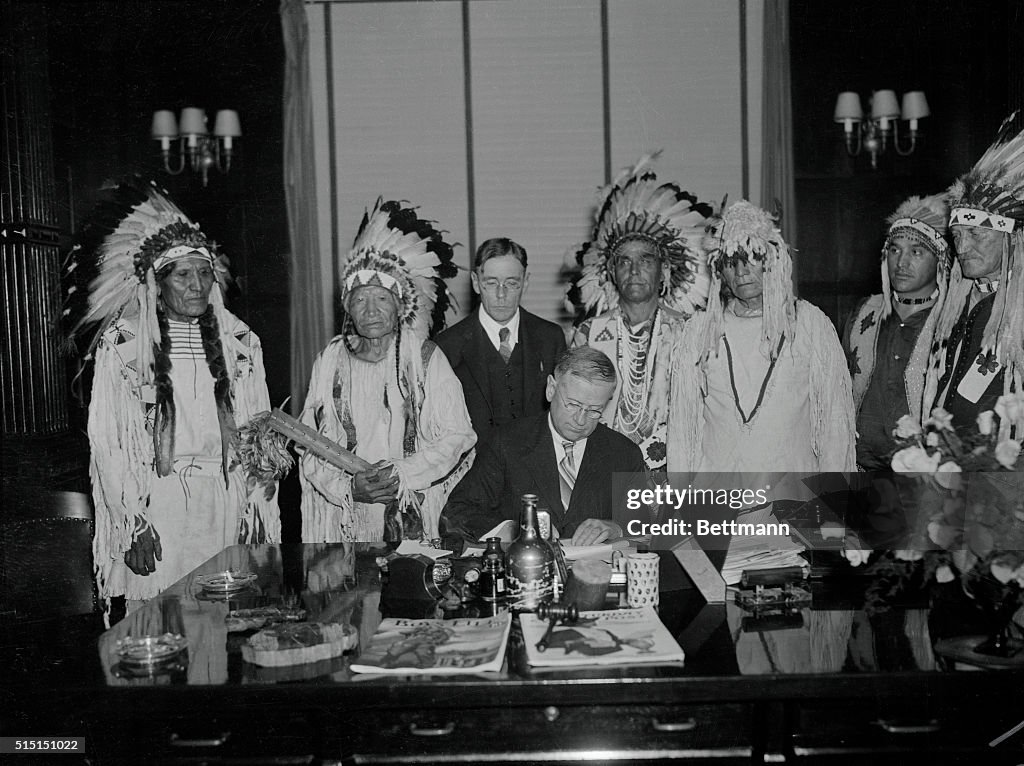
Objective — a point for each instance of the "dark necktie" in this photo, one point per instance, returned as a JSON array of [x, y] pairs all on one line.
[[505, 349]]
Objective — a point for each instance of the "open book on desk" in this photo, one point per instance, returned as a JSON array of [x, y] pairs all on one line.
[[613, 637], [436, 647]]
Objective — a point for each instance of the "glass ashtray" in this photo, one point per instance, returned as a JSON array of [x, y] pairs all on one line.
[[147, 651], [225, 582]]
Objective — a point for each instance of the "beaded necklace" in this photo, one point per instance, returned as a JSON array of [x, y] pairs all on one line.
[[634, 360], [915, 301]]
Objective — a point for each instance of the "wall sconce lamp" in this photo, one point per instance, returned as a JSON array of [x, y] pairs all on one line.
[[202, 150], [873, 134]]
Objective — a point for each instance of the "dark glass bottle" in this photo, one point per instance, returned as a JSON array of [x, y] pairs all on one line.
[[530, 568], [492, 572]]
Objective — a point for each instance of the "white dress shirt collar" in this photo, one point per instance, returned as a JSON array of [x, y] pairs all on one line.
[[578, 448], [492, 328]]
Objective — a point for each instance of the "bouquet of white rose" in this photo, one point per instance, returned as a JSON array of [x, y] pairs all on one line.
[[970, 504]]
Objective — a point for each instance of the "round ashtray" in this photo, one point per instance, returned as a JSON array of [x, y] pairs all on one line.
[[225, 582], [148, 651]]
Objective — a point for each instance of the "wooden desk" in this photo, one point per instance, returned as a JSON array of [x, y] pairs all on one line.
[[840, 687]]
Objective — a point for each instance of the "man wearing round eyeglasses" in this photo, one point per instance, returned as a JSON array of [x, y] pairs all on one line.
[[566, 457], [501, 353]]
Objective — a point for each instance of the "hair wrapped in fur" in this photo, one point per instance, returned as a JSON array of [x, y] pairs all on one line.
[[113, 273]]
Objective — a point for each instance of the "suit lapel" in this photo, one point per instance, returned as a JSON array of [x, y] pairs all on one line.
[[532, 363], [539, 457], [475, 356], [592, 467]]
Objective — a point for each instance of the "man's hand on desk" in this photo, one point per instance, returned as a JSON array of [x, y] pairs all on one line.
[[146, 550], [376, 485], [594, 531]]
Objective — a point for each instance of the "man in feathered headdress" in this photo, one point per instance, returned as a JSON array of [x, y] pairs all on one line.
[[772, 391], [643, 274], [385, 393], [175, 374], [979, 351], [888, 337]]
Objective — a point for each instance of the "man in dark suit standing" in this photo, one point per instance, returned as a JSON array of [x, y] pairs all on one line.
[[501, 353], [566, 457]]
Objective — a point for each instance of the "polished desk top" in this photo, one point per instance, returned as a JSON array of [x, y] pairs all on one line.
[[834, 645], [833, 678]]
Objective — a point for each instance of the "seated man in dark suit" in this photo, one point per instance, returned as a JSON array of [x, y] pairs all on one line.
[[566, 457], [501, 353]]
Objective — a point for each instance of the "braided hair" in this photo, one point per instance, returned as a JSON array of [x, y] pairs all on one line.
[[209, 331], [165, 412]]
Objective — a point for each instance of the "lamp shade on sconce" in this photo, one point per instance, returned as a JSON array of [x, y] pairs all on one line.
[[848, 107], [227, 123], [199, 150], [875, 132], [915, 105], [165, 124], [193, 121], [884, 105]]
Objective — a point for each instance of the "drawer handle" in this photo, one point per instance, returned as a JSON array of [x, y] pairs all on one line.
[[432, 731], [925, 727], [688, 725], [177, 741]]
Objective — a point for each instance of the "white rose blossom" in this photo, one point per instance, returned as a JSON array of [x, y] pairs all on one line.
[[940, 419], [944, 574], [1007, 452], [985, 422], [907, 428], [915, 460], [1011, 406], [1002, 573], [908, 554], [942, 535], [948, 475], [856, 556]]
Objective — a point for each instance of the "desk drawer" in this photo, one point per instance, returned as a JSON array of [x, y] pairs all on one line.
[[174, 737], [852, 733], [718, 733]]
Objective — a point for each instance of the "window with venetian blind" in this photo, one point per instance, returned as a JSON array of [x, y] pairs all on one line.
[[502, 117]]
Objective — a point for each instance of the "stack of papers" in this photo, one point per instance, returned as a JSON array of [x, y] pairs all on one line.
[[416, 548], [601, 551], [760, 551], [508, 531]]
